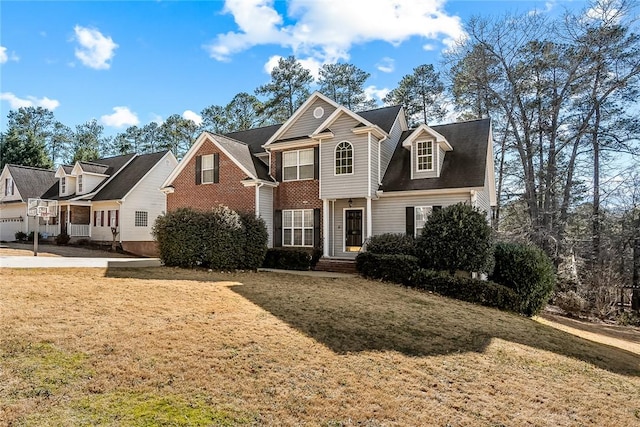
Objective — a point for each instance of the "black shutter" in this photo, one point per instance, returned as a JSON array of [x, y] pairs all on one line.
[[216, 168], [316, 163], [437, 208], [198, 170], [277, 228], [316, 228], [411, 222], [279, 166]]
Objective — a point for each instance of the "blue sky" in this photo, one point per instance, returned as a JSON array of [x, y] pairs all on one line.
[[127, 63]]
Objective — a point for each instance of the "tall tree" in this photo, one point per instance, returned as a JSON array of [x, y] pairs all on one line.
[[344, 83], [176, 134], [59, 143], [215, 119], [149, 138], [88, 141], [129, 141], [287, 90], [244, 112], [27, 138], [421, 93]]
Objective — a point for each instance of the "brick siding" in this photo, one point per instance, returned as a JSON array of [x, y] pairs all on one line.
[[229, 191]]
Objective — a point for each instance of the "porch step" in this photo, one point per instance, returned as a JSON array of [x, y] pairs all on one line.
[[336, 265]]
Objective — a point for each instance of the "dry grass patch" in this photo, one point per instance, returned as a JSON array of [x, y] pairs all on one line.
[[177, 347]]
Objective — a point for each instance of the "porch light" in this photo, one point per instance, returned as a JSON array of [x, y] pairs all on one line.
[[350, 202]]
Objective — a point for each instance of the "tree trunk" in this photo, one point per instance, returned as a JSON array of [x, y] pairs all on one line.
[[596, 222]]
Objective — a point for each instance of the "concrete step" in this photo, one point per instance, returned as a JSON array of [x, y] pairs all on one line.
[[336, 265]]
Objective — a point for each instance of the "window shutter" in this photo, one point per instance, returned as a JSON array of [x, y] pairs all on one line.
[[101, 218], [117, 212], [216, 167], [277, 228], [198, 170], [316, 163], [108, 218], [316, 228], [279, 166], [437, 208], [411, 222], [95, 218]]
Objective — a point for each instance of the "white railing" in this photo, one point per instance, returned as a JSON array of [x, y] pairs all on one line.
[[78, 230]]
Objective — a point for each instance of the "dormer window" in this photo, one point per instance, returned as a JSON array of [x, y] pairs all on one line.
[[8, 187], [424, 155], [344, 158], [79, 183], [63, 185]]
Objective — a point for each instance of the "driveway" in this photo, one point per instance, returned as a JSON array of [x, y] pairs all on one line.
[[20, 255]]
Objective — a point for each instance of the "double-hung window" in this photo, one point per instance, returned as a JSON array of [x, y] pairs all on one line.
[[207, 169], [344, 158], [424, 155], [297, 227], [8, 187], [79, 183], [422, 213], [63, 185], [297, 164]]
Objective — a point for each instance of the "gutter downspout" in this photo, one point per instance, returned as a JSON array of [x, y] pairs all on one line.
[[258, 186]]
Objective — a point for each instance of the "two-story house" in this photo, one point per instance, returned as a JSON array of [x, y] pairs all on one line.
[[330, 177], [120, 192]]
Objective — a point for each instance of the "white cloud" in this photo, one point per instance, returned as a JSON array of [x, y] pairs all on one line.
[[29, 101], [327, 30], [157, 118], [311, 64], [6, 57], [194, 117], [120, 118], [548, 7], [374, 93], [386, 65], [94, 50]]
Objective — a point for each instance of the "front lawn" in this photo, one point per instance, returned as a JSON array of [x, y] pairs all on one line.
[[177, 347]]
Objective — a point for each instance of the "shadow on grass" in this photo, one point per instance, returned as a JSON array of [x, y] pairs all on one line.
[[357, 315]]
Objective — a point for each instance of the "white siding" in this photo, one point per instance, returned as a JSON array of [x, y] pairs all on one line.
[[100, 232], [375, 182], [306, 122], [441, 154], [10, 222], [389, 213], [3, 181], [145, 197], [344, 186], [70, 185], [266, 210], [89, 183], [388, 146]]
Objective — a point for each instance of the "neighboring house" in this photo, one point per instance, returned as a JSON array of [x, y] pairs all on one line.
[[329, 177], [120, 192]]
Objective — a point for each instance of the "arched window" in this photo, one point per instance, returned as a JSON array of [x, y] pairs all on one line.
[[344, 158]]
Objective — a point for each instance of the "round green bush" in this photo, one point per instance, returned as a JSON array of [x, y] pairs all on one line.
[[457, 237], [528, 271], [391, 244], [255, 241]]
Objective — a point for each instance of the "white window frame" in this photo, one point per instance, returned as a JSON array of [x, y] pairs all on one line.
[[429, 145], [298, 164], [203, 169], [421, 213], [9, 189], [79, 183], [306, 213], [347, 147], [63, 185], [140, 217]]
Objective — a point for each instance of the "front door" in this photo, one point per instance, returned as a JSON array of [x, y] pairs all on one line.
[[63, 220], [353, 229]]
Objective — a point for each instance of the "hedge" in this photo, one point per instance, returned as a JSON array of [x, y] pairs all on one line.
[[391, 268], [391, 244], [528, 271], [292, 258]]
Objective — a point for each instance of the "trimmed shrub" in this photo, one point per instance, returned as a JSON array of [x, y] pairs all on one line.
[[21, 236], [223, 239], [471, 290], [62, 239], [456, 237], [179, 236], [32, 235], [391, 244], [288, 259], [255, 241], [391, 268], [528, 271]]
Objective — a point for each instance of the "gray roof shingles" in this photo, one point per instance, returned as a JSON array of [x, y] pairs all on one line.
[[463, 167], [32, 182]]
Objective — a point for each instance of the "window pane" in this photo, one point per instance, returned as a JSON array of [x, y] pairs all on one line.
[[297, 219], [207, 176], [207, 162], [287, 237], [308, 218], [297, 237], [290, 173], [286, 218], [290, 158], [308, 237], [306, 172], [306, 157]]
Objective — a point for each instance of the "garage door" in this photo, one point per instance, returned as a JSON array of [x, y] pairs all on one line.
[[9, 227]]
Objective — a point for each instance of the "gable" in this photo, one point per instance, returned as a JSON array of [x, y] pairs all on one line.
[[306, 122], [29, 182]]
